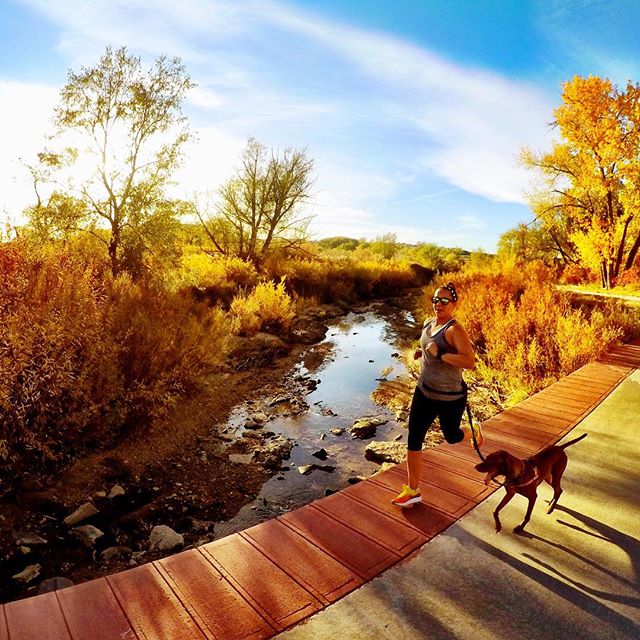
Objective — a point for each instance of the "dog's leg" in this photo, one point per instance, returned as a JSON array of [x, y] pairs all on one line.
[[503, 502], [527, 516], [556, 476]]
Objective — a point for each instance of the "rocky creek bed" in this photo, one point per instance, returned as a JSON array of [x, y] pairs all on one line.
[[282, 424]]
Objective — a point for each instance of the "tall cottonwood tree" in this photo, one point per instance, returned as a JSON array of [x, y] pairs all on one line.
[[527, 242], [259, 207], [589, 191], [124, 132]]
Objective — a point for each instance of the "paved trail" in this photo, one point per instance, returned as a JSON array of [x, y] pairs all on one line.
[[574, 574]]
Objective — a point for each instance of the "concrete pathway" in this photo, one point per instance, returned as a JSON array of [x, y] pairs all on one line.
[[574, 574]]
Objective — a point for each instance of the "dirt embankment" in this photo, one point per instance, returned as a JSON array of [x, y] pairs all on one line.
[[177, 474], [188, 472]]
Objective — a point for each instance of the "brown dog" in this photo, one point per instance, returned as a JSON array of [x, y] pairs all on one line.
[[524, 476]]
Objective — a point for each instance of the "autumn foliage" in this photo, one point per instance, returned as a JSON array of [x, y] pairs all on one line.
[[84, 357], [588, 188], [526, 333]]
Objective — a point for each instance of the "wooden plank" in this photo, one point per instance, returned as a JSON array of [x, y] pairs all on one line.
[[318, 572], [442, 458], [471, 488], [364, 557], [277, 597], [152, 608], [586, 386], [537, 431], [389, 532], [598, 371], [557, 397], [539, 406], [572, 388], [536, 418], [529, 419], [600, 379], [218, 608], [518, 430], [36, 618], [465, 451], [427, 520], [92, 605], [492, 431], [450, 503], [4, 632], [625, 361]]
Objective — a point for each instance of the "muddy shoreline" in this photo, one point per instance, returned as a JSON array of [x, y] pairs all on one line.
[[194, 471]]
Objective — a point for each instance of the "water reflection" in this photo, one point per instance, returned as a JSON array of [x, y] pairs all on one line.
[[361, 351]]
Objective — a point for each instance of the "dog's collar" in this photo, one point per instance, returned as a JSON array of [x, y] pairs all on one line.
[[524, 470]]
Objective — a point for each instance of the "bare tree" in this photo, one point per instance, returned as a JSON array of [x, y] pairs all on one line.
[[258, 208], [129, 132]]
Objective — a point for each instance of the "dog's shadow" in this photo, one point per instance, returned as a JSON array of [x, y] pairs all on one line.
[[601, 531]]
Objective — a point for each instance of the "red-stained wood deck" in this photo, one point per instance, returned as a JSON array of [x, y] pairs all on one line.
[[255, 583]]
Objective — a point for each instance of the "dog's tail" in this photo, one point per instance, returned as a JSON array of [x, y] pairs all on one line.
[[568, 444]]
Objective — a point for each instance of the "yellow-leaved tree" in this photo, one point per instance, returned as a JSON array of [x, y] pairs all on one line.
[[588, 192]]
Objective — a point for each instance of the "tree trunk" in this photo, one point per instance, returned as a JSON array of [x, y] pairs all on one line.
[[632, 254], [114, 243], [620, 252]]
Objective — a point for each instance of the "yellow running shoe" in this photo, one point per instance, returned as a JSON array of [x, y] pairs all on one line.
[[407, 497]]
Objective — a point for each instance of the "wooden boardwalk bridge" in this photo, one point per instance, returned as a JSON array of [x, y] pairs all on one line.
[[258, 582]]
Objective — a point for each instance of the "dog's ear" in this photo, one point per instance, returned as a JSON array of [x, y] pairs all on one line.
[[508, 464]]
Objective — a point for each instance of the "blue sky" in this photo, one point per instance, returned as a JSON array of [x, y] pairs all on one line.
[[414, 112]]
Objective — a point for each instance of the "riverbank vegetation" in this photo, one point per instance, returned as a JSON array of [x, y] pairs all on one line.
[[527, 333], [117, 300]]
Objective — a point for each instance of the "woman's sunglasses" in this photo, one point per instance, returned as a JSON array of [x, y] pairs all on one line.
[[443, 301]]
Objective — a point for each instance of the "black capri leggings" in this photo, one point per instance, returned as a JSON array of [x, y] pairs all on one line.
[[425, 410]]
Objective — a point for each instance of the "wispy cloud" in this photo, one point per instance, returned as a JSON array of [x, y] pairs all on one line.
[[25, 110], [588, 37], [385, 120]]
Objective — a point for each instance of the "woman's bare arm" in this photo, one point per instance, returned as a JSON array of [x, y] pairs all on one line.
[[465, 357]]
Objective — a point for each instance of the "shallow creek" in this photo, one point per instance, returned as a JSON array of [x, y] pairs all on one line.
[[361, 351]]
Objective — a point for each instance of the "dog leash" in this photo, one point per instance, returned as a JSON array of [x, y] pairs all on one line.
[[475, 443], [473, 433]]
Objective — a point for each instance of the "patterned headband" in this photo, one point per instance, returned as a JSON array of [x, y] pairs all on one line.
[[452, 290]]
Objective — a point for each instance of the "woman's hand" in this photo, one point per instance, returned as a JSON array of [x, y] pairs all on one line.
[[417, 354]]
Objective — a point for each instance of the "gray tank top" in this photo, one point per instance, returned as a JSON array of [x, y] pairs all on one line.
[[436, 375]]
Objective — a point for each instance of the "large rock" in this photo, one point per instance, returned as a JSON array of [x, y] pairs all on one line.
[[308, 331], [87, 534], [116, 468], [279, 447], [241, 458], [43, 501], [386, 452], [422, 275], [29, 539], [54, 584], [116, 490], [29, 574], [164, 538], [366, 427], [81, 513], [116, 553]]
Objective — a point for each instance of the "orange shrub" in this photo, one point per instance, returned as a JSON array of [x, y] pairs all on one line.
[[576, 274], [82, 356], [526, 333], [342, 279], [268, 306], [630, 277]]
